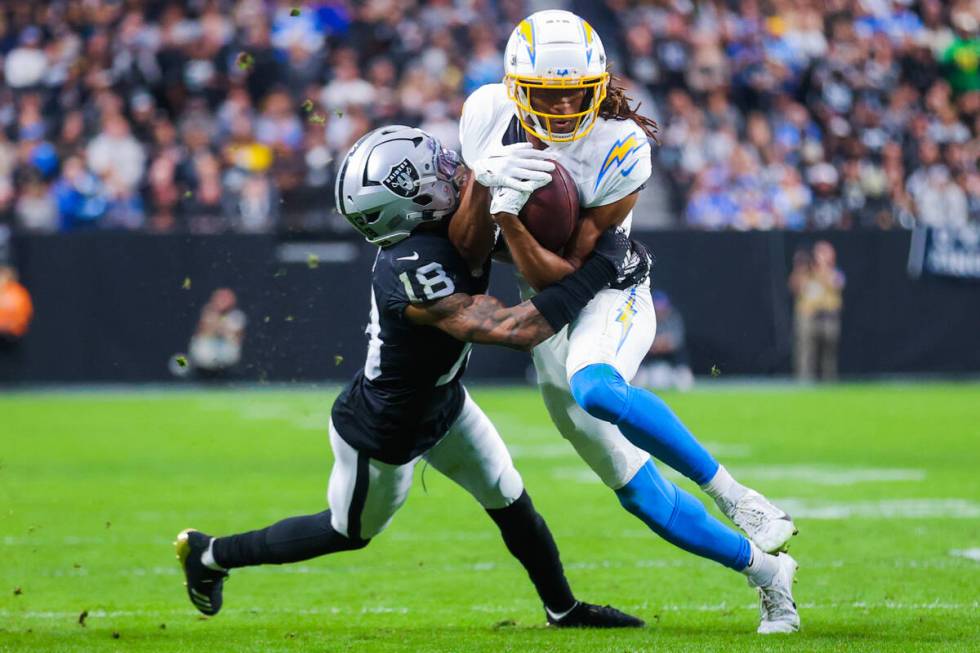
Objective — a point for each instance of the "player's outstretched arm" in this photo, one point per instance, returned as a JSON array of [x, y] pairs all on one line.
[[484, 319], [541, 267]]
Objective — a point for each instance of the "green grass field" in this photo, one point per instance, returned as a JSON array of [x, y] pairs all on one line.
[[882, 481]]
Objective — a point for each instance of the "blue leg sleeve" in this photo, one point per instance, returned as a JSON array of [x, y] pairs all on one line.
[[681, 519], [644, 419]]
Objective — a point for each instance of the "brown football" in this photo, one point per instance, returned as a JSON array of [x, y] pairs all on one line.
[[551, 212]]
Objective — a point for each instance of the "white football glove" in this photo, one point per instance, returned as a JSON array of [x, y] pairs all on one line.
[[507, 200], [519, 167]]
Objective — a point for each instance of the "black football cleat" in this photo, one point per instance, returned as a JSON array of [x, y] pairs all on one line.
[[203, 583], [586, 615]]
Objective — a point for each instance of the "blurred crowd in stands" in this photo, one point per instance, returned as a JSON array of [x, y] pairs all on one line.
[[215, 115]]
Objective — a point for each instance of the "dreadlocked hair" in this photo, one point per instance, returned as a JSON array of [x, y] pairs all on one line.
[[616, 106]]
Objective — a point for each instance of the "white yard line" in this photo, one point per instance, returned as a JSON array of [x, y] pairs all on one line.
[[827, 474], [559, 448], [823, 475], [302, 416], [58, 615], [958, 560], [949, 508], [969, 554]]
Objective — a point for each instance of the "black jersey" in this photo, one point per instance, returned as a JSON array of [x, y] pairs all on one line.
[[409, 392]]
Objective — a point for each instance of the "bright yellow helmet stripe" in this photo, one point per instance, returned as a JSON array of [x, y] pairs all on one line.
[[527, 31], [588, 32]]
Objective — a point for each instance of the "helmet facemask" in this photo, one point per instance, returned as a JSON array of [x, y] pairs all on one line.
[[521, 89]]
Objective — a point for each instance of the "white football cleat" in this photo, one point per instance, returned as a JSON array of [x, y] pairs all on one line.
[[777, 610], [766, 525]]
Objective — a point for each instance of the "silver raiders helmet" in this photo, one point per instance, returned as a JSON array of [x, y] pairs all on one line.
[[395, 178]]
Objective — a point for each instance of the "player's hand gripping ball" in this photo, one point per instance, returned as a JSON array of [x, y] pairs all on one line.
[[552, 211]]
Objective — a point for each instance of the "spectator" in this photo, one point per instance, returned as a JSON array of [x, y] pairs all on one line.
[[939, 201], [486, 64], [36, 210], [347, 87], [827, 209], [118, 160], [278, 126], [79, 195], [16, 309], [962, 57], [216, 346], [817, 286], [26, 64], [755, 100], [116, 156]]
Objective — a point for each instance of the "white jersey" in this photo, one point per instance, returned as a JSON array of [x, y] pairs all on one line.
[[618, 326], [609, 163]]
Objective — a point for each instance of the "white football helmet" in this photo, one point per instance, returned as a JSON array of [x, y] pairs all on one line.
[[555, 49], [395, 178]]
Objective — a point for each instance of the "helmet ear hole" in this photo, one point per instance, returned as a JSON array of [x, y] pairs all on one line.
[[371, 218], [423, 200]]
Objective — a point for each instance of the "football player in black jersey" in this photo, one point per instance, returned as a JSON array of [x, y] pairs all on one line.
[[400, 189]]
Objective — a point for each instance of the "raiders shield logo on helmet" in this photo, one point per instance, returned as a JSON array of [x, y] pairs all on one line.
[[403, 179]]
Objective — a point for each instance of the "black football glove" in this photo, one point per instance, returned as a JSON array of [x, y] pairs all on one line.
[[637, 265], [613, 245], [629, 257]]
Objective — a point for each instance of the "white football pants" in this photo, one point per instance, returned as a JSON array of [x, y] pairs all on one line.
[[616, 328], [365, 493]]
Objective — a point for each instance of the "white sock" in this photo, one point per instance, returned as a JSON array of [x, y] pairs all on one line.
[[722, 487], [207, 558], [762, 567], [558, 616]]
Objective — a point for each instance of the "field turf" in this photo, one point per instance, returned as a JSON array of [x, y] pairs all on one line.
[[93, 487]]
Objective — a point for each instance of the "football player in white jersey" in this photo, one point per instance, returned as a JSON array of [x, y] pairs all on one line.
[[557, 103]]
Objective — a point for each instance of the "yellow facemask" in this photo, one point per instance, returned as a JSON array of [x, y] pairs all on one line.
[[538, 123]]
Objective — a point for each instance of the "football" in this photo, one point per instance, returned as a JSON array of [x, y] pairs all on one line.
[[551, 212]]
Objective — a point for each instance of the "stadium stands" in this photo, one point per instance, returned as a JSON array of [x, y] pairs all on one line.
[[229, 115]]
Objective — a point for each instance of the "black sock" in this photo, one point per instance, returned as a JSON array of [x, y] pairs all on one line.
[[290, 540], [529, 540]]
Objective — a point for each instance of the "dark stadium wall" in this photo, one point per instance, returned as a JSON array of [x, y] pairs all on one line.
[[732, 290], [113, 307]]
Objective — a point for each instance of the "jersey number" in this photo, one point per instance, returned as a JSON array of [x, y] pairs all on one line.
[[430, 280]]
